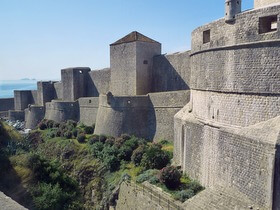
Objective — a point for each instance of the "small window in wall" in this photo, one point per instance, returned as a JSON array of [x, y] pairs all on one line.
[[145, 62], [89, 101], [267, 24], [206, 36]]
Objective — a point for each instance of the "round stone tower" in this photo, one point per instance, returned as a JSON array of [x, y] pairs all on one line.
[[233, 7]]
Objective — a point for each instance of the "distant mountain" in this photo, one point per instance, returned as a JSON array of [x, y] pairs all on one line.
[[28, 79]]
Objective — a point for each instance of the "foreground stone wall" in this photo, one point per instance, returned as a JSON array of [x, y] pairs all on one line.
[[144, 196], [241, 158], [171, 72], [88, 110]]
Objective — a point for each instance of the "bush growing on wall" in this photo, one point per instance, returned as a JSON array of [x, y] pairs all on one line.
[[170, 176], [155, 158]]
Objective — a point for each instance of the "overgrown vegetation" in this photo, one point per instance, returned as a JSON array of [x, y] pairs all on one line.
[[72, 168]]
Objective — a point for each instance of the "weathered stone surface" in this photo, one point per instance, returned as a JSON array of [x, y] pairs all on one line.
[[7, 203]]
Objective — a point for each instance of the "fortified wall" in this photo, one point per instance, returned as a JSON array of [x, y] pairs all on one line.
[[139, 94], [228, 134], [224, 94]]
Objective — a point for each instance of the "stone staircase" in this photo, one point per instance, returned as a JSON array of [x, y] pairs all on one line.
[[220, 199]]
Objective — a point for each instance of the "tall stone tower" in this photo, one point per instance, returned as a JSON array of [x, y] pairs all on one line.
[[264, 3], [74, 82], [131, 64], [233, 7]]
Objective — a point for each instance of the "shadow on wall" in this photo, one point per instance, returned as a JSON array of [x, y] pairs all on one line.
[[133, 115], [166, 77], [276, 190], [91, 89]]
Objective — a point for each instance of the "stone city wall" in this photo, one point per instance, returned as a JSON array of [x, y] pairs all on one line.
[[263, 3], [99, 82], [6, 104], [171, 72], [117, 115], [234, 109], [74, 83], [144, 196], [33, 116], [230, 157], [165, 105], [88, 110], [237, 58], [58, 89], [15, 115], [46, 92], [23, 98], [61, 111]]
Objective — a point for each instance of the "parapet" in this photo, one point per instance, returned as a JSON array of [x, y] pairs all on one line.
[[240, 57], [264, 3]]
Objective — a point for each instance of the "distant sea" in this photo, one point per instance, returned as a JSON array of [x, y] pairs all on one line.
[[7, 87]]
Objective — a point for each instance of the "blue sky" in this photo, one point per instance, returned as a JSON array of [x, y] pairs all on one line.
[[40, 37]]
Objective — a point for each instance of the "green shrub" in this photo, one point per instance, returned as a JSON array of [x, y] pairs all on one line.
[[110, 158], [119, 142], [48, 196], [164, 142], [195, 186], [154, 180], [56, 125], [155, 158], [81, 138], [170, 176], [93, 139], [138, 154], [184, 195], [89, 130], [52, 133], [71, 123], [58, 133], [75, 132], [68, 135], [125, 136], [110, 141], [49, 123], [96, 149], [147, 175], [102, 138], [112, 163], [125, 153], [132, 143], [42, 125]]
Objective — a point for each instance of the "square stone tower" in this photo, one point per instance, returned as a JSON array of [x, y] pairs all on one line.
[[131, 64], [74, 82]]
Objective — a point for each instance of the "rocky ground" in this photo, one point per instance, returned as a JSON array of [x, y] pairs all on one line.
[[8, 204]]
